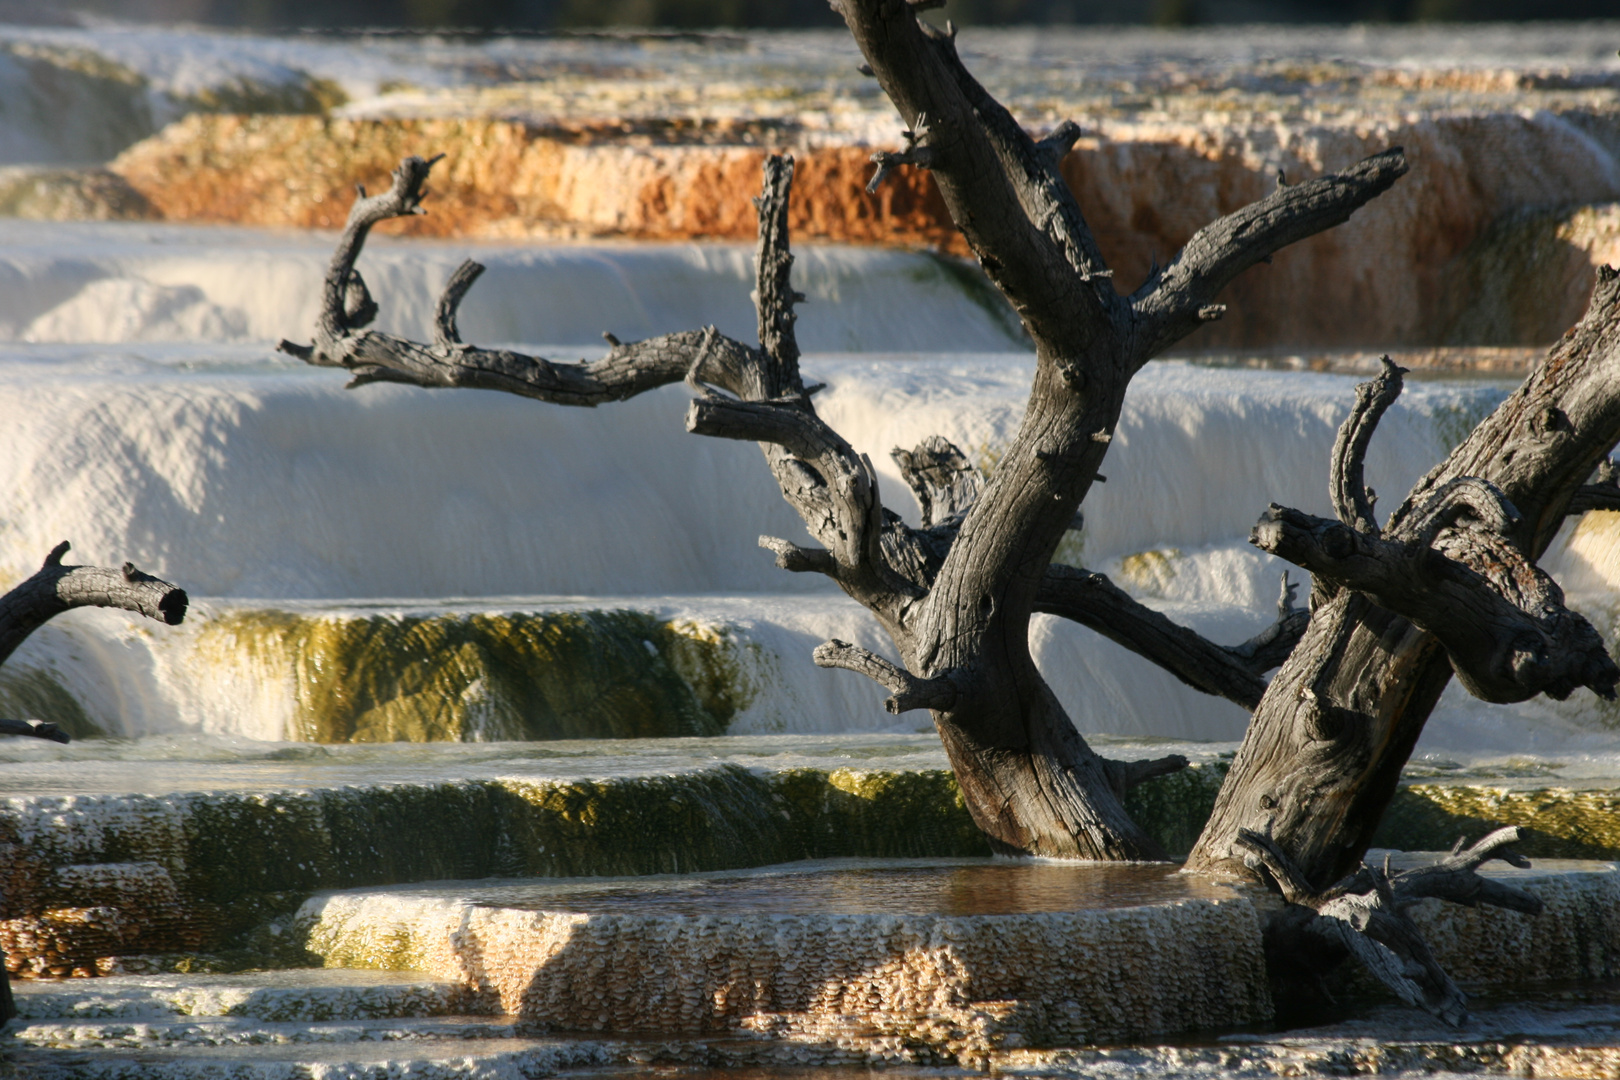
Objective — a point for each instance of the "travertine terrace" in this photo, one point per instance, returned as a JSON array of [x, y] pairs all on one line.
[[1513, 141]]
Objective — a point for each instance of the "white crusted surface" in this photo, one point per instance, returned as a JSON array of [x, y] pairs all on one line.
[[303, 995]]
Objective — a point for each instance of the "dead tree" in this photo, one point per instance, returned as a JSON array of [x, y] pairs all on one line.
[[1449, 583], [955, 597]]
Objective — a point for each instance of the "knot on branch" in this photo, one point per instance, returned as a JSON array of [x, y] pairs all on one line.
[[909, 691], [1365, 915]]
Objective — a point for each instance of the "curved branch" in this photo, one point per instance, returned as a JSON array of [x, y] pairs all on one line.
[[910, 691], [1501, 619], [833, 488], [1177, 302], [1272, 646], [1352, 499], [57, 588], [445, 333], [402, 199]]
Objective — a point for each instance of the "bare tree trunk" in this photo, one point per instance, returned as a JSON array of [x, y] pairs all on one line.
[[1448, 584]]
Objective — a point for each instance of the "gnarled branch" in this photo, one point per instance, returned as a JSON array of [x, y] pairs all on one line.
[[910, 691], [1173, 305], [1501, 619], [56, 588], [1352, 499], [1365, 915], [347, 307]]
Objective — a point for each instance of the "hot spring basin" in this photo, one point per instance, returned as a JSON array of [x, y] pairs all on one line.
[[961, 956], [957, 955]]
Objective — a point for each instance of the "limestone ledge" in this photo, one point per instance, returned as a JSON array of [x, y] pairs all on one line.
[[92, 883], [110, 883], [1441, 259], [921, 987], [942, 987]]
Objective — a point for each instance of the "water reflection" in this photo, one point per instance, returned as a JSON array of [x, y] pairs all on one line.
[[867, 887]]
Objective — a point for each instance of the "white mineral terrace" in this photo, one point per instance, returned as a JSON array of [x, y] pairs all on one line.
[[983, 964], [496, 709]]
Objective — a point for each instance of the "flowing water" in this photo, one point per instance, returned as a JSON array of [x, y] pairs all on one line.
[[388, 564]]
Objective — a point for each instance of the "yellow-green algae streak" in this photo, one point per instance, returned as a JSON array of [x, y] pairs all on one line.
[[489, 677], [238, 859]]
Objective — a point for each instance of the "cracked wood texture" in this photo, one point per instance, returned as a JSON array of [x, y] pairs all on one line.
[[1031, 782], [1327, 743], [56, 588]]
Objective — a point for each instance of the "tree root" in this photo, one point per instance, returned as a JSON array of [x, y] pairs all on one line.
[[1366, 916]]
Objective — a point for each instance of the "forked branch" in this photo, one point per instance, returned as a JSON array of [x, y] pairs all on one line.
[[347, 307], [1178, 301]]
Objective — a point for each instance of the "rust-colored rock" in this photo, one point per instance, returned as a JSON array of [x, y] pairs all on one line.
[[1414, 268], [506, 179]]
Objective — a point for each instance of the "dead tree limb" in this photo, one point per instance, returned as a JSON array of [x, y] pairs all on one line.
[[56, 588], [1324, 751], [1031, 783], [1365, 916], [1232, 672]]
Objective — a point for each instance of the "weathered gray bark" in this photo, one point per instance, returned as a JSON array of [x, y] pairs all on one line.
[[1365, 916], [57, 588], [1448, 584], [1032, 783]]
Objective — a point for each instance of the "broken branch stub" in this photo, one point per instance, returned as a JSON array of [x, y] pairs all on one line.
[[56, 588], [1451, 567]]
